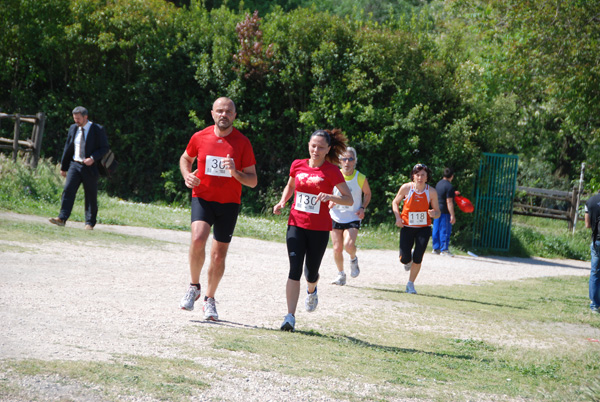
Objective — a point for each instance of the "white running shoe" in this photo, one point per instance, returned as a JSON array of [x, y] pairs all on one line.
[[192, 294], [311, 302], [410, 288], [447, 253], [340, 279], [407, 266], [354, 270], [210, 310], [435, 252], [289, 322]]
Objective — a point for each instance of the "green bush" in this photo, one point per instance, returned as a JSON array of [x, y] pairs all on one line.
[[143, 68], [432, 82]]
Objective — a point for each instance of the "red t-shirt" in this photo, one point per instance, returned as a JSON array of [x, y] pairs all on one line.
[[216, 183], [306, 213]]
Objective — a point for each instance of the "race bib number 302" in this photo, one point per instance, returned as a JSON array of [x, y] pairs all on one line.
[[417, 218], [307, 203], [215, 167]]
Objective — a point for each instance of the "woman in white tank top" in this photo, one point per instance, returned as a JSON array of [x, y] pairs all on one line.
[[346, 219]]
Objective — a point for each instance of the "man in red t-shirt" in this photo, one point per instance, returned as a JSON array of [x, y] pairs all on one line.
[[225, 162]]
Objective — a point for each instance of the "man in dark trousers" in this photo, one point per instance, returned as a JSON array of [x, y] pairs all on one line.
[[592, 220], [442, 226], [86, 145]]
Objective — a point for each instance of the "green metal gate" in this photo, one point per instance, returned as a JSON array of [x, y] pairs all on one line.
[[496, 184]]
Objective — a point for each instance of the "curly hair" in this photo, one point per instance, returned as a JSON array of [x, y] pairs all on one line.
[[336, 139]]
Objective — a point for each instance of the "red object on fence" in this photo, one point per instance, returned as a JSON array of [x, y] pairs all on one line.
[[463, 203]]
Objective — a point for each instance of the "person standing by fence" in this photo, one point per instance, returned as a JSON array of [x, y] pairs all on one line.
[[442, 226], [86, 144], [592, 221]]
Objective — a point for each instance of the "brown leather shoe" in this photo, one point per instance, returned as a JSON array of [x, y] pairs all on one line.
[[57, 221], [89, 227]]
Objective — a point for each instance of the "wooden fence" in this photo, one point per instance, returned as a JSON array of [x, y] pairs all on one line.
[[571, 198], [33, 144]]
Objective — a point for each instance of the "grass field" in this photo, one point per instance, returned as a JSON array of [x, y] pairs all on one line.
[[514, 340], [524, 340], [38, 192]]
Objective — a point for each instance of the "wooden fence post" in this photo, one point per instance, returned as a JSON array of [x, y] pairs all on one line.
[[572, 210], [31, 146], [578, 196], [16, 136], [37, 138]]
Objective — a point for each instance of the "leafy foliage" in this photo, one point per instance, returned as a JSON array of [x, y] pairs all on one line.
[[534, 66], [407, 81]]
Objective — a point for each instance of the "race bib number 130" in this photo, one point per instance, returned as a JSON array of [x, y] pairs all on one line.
[[307, 203], [215, 167], [417, 218]]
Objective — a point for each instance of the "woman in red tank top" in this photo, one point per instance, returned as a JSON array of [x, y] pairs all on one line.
[[420, 206]]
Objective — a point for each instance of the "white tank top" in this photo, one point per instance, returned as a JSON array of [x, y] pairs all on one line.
[[344, 213]]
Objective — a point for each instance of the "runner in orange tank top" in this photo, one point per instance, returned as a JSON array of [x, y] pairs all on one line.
[[420, 206], [416, 206]]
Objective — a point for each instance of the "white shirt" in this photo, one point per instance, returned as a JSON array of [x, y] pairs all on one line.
[[86, 130]]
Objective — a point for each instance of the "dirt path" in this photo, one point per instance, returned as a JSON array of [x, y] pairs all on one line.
[[87, 301]]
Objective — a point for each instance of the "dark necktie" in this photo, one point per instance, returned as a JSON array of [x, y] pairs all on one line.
[[82, 144]]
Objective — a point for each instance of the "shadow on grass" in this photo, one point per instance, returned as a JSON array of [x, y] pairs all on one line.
[[449, 298], [224, 323], [510, 260], [382, 348], [345, 339]]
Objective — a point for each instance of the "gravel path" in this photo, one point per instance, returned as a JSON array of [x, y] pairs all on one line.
[[80, 300]]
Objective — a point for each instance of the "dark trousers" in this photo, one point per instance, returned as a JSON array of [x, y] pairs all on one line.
[[76, 175], [413, 237], [305, 247]]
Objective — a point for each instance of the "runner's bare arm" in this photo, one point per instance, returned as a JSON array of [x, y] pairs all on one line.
[[246, 176], [344, 199], [366, 199], [396, 202], [185, 166], [288, 191]]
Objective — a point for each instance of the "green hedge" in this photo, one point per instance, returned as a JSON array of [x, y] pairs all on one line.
[[404, 90]]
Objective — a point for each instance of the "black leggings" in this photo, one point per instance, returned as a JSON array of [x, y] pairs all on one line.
[[310, 243], [417, 237]]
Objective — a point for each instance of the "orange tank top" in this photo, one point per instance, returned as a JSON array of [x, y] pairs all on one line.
[[416, 204]]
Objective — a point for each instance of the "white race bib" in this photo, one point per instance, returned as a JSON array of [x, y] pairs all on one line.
[[215, 167], [417, 218], [306, 202]]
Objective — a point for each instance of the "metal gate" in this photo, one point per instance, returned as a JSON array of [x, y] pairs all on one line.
[[496, 184]]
